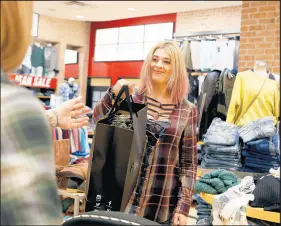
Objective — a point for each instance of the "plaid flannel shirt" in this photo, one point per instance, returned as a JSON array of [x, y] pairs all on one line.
[[28, 187], [169, 180]]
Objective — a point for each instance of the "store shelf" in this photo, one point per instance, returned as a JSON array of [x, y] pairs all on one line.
[[257, 213]]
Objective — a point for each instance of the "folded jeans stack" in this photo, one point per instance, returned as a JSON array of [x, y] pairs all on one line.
[[260, 151], [221, 146], [204, 211]]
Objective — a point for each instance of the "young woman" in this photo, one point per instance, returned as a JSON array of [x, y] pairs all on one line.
[[165, 185], [28, 186]]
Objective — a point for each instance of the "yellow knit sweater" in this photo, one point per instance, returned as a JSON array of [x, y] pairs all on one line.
[[247, 85]]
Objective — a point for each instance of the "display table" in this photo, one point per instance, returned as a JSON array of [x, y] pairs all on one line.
[[75, 194], [257, 213]]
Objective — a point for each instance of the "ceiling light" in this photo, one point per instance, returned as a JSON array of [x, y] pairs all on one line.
[[80, 17], [132, 9], [52, 10]]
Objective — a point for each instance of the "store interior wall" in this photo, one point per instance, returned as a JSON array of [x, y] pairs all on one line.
[[130, 69], [260, 35], [68, 33]]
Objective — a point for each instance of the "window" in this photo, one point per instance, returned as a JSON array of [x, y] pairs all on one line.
[[131, 42], [98, 93], [70, 56]]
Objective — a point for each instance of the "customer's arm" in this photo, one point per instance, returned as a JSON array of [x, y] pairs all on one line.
[[28, 187], [65, 115], [188, 164]]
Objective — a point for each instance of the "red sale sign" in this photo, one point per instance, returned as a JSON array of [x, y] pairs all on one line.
[[34, 81]]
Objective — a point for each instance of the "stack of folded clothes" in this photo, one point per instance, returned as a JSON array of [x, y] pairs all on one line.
[[204, 211], [216, 182], [261, 146], [221, 146]]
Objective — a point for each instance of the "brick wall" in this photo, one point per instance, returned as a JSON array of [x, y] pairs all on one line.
[[218, 19], [260, 34]]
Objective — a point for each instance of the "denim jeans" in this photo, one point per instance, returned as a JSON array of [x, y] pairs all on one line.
[[220, 139], [222, 158], [253, 170], [223, 149], [222, 127], [217, 166], [262, 163], [221, 133], [255, 165], [265, 145], [225, 156], [256, 129], [255, 159], [200, 201], [222, 162], [269, 157]]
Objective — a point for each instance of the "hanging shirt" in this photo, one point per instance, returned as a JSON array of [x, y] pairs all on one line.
[[195, 54], [37, 56], [246, 86], [51, 58]]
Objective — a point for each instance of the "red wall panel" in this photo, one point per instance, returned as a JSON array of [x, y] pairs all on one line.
[[127, 68], [71, 70]]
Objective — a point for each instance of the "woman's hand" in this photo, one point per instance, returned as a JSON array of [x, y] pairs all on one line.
[[116, 88], [179, 219], [69, 111]]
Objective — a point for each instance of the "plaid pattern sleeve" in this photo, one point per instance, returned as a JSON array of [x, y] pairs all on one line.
[[188, 164], [28, 186], [103, 106]]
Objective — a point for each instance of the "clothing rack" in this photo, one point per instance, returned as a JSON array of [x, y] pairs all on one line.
[[204, 36]]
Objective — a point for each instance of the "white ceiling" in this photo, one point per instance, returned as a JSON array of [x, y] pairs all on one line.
[[114, 10]]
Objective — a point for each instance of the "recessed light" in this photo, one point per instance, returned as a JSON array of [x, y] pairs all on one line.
[[132, 9], [80, 17], [52, 10]]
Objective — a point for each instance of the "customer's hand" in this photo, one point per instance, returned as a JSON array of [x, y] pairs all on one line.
[[69, 111], [116, 88], [179, 219]]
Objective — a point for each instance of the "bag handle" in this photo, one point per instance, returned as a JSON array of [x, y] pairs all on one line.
[[251, 103], [124, 89]]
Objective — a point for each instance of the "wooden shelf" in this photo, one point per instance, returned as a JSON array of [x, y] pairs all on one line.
[[257, 213], [43, 97]]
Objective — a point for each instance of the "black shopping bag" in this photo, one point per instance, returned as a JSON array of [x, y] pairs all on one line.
[[116, 156]]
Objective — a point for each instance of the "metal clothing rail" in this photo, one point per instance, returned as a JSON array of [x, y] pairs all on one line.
[[206, 33]]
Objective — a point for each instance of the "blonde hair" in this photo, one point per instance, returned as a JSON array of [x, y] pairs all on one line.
[[178, 84], [16, 24]]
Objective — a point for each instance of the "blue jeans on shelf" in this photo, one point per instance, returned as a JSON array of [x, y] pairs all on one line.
[[222, 158], [258, 165], [221, 133], [254, 170], [221, 162], [220, 139], [268, 157], [217, 166], [257, 129], [265, 145], [234, 149]]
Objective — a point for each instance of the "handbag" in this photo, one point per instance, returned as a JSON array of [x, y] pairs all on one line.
[[116, 155], [61, 152]]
